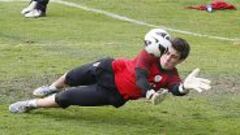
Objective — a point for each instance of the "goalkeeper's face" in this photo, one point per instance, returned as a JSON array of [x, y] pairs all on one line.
[[170, 58]]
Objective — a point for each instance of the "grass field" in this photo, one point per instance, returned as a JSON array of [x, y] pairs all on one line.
[[34, 52]]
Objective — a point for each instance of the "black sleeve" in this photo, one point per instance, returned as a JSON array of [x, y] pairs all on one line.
[[175, 91], [141, 80]]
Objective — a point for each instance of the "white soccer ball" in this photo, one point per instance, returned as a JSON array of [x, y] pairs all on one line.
[[157, 41]]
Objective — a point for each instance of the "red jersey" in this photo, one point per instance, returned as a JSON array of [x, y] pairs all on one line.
[[125, 75]]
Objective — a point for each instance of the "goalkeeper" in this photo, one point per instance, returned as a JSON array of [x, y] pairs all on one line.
[[115, 81]]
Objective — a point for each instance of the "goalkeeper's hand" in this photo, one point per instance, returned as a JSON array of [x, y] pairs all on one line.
[[195, 83], [156, 97]]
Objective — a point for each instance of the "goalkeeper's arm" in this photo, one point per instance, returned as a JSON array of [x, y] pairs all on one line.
[[147, 91], [179, 90], [141, 80]]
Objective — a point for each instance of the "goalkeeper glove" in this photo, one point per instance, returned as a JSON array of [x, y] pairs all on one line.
[[156, 97], [195, 83]]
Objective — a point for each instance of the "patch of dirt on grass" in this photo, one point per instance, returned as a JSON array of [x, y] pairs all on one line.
[[22, 88], [225, 85]]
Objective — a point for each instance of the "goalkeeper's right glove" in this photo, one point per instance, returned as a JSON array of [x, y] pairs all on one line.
[[156, 97]]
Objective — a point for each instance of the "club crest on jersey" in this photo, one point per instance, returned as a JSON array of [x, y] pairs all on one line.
[[157, 78]]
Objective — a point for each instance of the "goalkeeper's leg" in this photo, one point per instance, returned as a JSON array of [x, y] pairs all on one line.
[[92, 95]]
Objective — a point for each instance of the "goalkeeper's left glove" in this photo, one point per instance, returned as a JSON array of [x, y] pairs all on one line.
[[156, 97], [195, 83]]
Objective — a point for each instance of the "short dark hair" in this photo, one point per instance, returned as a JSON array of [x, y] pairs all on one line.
[[182, 46]]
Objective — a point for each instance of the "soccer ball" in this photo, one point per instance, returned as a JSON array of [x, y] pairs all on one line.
[[157, 41]]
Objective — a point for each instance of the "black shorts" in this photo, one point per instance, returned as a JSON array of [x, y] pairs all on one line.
[[92, 85]]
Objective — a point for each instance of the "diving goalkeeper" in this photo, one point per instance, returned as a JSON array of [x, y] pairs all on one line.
[[151, 74]]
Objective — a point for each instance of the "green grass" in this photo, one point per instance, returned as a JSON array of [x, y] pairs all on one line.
[[34, 52]]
